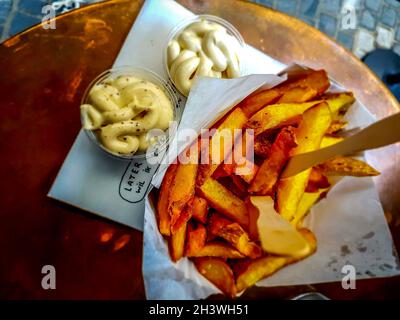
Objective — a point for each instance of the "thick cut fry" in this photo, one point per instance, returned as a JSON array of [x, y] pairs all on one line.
[[336, 126], [345, 166], [306, 87], [262, 145], [219, 273], [200, 209], [221, 144], [218, 249], [253, 217], [234, 234], [309, 135], [339, 103], [329, 140], [235, 185], [278, 115], [249, 273], [183, 217], [271, 168], [255, 102], [224, 201], [306, 202], [182, 190], [164, 219], [177, 243], [317, 181], [195, 239], [298, 95]]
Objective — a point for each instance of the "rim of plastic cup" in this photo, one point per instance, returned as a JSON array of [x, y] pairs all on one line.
[[185, 23], [142, 73]]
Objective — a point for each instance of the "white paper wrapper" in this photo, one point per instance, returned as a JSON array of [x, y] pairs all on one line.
[[349, 224]]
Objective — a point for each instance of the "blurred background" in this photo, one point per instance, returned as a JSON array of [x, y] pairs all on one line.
[[376, 22]]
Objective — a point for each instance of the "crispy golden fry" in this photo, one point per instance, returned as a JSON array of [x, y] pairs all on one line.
[[164, 219], [195, 239], [345, 166], [177, 243], [184, 216], [219, 273], [253, 217], [233, 233], [200, 209], [278, 115], [266, 177], [317, 181], [339, 103], [309, 135], [306, 202], [182, 190], [254, 103], [262, 145], [218, 249], [306, 87], [250, 273], [336, 126], [224, 201], [298, 95], [221, 143], [329, 140]]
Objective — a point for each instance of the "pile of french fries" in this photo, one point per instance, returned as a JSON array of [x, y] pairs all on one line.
[[207, 212]]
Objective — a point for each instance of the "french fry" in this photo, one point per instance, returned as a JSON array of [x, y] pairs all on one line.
[[339, 103], [224, 201], [306, 202], [336, 126], [200, 209], [329, 140], [218, 272], [195, 239], [309, 135], [250, 273], [218, 249], [317, 181], [182, 190], [253, 217], [278, 115], [262, 145], [345, 166], [267, 175], [306, 87], [233, 233], [164, 219], [184, 216], [177, 243], [235, 185], [221, 143]]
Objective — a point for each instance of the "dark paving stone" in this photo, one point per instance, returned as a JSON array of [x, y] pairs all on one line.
[[287, 6], [393, 3], [5, 8], [332, 6], [346, 40], [388, 16], [21, 22], [33, 7], [267, 3], [309, 8], [398, 33], [368, 20], [327, 24], [373, 5], [397, 49]]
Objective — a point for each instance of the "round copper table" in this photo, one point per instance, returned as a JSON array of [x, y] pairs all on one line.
[[44, 74]]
